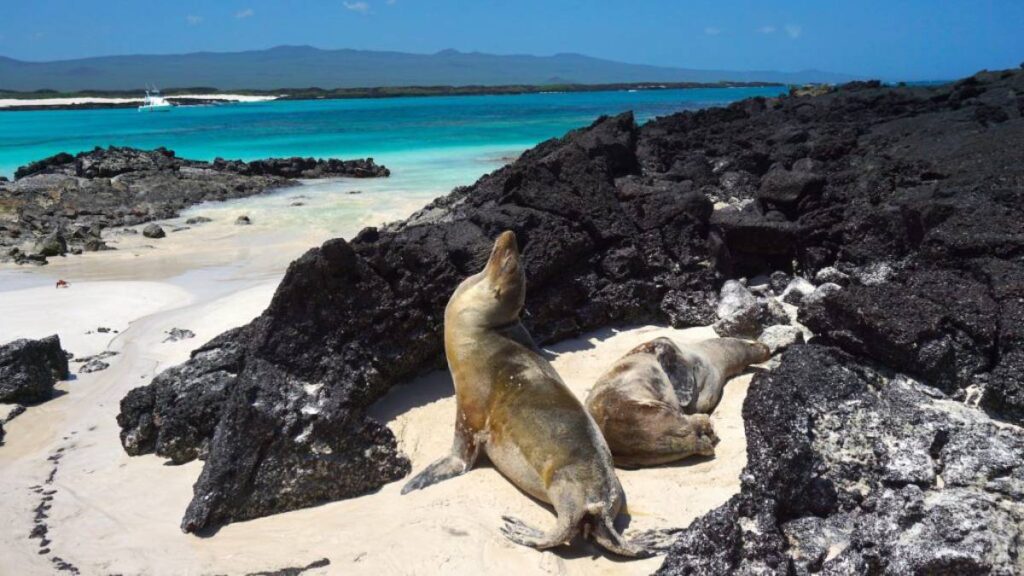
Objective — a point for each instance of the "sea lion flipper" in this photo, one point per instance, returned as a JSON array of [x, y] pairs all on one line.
[[609, 538], [519, 333], [442, 469], [657, 541], [520, 532], [465, 449], [525, 535]]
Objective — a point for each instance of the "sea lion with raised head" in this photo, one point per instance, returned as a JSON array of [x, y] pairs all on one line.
[[513, 405], [652, 404]]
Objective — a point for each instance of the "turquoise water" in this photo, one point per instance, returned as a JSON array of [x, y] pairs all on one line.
[[446, 139]]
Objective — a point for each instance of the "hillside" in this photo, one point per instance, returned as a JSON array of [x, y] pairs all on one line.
[[305, 66]]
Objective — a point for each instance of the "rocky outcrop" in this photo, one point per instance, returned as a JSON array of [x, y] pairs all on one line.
[[601, 245], [907, 197], [294, 168], [63, 203], [855, 471], [30, 368]]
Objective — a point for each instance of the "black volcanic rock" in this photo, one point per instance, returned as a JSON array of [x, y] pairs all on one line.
[[907, 194], [786, 187], [351, 319], [296, 167], [153, 231], [934, 324], [117, 187], [176, 415], [851, 471], [30, 368]]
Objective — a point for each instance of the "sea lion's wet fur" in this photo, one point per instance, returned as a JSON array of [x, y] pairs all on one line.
[[652, 404], [512, 404]]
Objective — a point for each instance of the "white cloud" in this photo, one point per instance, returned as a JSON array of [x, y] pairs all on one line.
[[193, 20], [712, 31], [361, 7], [769, 29], [793, 30], [247, 13]]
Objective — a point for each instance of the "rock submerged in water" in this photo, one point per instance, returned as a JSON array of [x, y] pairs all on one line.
[[243, 221], [198, 220], [30, 368]]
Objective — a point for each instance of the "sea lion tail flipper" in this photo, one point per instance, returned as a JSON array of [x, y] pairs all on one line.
[[570, 515], [609, 538], [657, 541], [525, 535]]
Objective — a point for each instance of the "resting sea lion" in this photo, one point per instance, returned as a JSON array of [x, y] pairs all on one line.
[[513, 405], [652, 404]]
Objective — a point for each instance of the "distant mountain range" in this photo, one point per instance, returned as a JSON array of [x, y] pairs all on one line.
[[305, 66]]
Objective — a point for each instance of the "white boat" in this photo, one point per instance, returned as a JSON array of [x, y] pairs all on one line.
[[154, 102]]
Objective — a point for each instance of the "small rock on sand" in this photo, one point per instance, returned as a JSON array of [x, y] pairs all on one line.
[[175, 334], [94, 365], [153, 231]]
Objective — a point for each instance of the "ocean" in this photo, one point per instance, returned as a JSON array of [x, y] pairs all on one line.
[[431, 145], [445, 141]]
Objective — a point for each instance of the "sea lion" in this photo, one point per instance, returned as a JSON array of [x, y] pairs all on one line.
[[513, 405], [652, 404]]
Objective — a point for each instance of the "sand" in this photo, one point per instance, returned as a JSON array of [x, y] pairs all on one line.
[[116, 514], [113, 514], [20, 103]]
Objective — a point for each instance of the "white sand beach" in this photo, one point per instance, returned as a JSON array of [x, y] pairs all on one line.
[[81, 101], [131, 507], [217, 276]]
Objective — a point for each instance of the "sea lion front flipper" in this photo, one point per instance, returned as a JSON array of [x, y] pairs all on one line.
[[718, 360], [465, 449], [519, 333]]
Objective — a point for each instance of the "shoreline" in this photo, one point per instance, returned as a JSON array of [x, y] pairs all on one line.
[[88, 102], [91, 100], [127, 502]]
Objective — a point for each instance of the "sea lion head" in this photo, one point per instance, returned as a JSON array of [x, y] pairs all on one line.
[[494, 297]]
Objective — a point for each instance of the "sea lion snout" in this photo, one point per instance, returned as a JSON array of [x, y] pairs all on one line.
[[504, 259], [505, 278]]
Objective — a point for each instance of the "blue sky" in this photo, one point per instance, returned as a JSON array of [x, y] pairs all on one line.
[[909, 39]]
